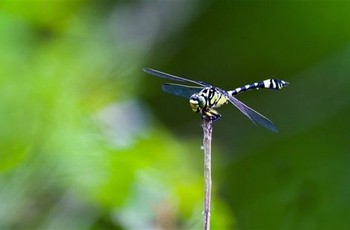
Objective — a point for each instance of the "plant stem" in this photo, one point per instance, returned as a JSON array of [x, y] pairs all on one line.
[[207, 136]]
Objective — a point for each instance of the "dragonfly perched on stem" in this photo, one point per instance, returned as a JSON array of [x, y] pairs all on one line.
[[204, 97]]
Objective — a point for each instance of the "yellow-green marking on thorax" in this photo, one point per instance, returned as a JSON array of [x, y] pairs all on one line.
[[207, 99]]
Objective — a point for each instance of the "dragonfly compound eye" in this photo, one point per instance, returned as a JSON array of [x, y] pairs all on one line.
[[195, 103], [202, 101]]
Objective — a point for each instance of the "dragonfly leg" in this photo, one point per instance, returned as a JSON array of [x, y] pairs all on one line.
[[211, 114]]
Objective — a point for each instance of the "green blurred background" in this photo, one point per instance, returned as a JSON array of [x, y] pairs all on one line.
[[89, 141]]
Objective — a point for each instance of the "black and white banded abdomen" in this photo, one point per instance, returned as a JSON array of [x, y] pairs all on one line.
[[266, 84]]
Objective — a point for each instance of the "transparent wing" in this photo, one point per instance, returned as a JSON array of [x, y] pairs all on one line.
[[173, 77], [181, 90], [254, 116]]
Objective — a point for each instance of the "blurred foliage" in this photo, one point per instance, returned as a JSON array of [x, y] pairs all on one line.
[[88, 141]]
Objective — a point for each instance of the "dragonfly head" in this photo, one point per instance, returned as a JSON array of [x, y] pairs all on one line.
[[197, 102]]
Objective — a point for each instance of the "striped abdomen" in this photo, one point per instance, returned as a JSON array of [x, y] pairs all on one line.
[[266, 84]]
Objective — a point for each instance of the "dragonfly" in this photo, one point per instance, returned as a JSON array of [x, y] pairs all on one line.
[[204, 98]]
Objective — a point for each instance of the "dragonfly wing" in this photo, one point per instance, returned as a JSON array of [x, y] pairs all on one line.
[[172, 77], [181, 90], [253, 115]]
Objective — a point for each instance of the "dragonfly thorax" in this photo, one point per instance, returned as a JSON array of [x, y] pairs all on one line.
[[207, 99]]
